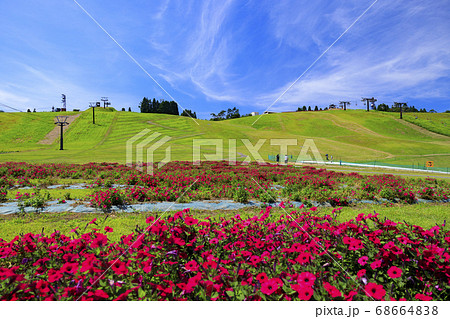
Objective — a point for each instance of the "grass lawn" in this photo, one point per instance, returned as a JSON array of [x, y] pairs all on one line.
[[125, 223], [353, 136]]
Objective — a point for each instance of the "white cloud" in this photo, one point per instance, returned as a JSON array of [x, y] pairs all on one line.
[[404, 59]]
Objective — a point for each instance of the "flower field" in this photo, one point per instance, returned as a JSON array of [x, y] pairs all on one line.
[[186, 182], [298, 256]]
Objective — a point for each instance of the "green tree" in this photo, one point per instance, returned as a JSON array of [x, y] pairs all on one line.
[[218, 117], [145, 105], [189, 113], [309, 108], [383, 107], [173, 107], [233, 113]]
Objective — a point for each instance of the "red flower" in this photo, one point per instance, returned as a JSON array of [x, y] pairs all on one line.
[[303, 258], [361, 273], [190, 221], [93, 221], [108, 229], [99, 294], [54, 275], [423, 297], [88, 264], [262, 277], [363, 260], [119, 268], [268, 287], [350, 295], [193, 281], [376, 264], [99, 240], [150, 219], [394, 272], [42, 286], [332, 290], [375, 291], [191, 266], [306, 279], [71, 268], [304, 292]]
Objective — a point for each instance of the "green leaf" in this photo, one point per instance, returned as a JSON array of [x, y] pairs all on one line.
[[141, 293]]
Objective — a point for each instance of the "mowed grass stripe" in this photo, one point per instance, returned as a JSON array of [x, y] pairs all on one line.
[[353, 135]]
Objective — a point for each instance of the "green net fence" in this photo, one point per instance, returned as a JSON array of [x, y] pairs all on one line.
[[417, 166]]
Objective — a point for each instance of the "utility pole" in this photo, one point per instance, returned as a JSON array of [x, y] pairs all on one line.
[[344, 104], [400, 104], [368, 100], [61, 121], [93, 104]]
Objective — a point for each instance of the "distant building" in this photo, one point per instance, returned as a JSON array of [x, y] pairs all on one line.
[[254, 113], [335, 107], [268, 112]]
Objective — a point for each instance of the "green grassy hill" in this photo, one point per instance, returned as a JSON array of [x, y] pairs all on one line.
[[353, 136]]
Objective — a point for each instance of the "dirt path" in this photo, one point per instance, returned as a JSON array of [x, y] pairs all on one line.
[[54, 134], [353, 126], [113, 123], [163, 126], [421, 129]]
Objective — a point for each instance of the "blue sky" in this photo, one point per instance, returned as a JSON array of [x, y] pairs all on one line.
[[212, 55]]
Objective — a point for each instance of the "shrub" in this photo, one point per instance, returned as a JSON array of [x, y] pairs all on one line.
[[240, 195], [267, 196], [3, 194], [36, 200], [106, 199]]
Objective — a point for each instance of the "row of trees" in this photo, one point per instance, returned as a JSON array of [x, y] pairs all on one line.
[[385, 108], [155, 106], [304, 109], [171, 107], [163, 107], [229, 114], [189, 113], [381, 107]]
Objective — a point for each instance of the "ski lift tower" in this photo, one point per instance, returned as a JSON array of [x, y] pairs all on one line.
[[93, 105], [61, 121], [63, 101], [400, 104], [344, 104], [105, 102], [368, 100]]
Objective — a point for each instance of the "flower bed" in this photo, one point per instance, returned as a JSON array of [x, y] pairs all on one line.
[[218, 180], [299, 256]]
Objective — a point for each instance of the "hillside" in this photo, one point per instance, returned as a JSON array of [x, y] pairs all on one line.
[[353, 135]]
